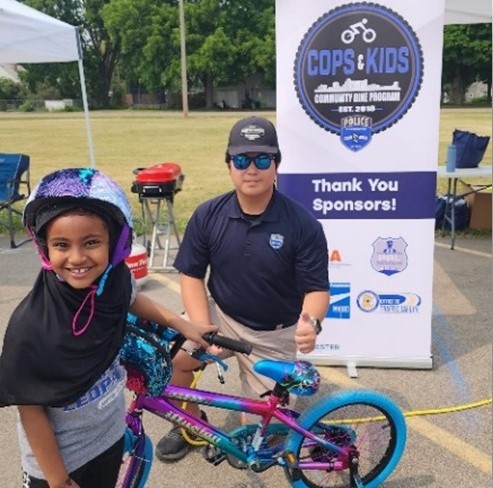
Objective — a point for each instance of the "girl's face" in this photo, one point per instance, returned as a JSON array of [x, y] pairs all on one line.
[[78, 248]]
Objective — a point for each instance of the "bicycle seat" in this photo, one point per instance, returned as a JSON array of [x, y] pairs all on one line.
[[145, 355], [298, 377]]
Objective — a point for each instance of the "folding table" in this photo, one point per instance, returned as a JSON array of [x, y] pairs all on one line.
[[453, 177]]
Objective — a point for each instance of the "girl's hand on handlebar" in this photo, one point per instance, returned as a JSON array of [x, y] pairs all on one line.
[[194, 332]]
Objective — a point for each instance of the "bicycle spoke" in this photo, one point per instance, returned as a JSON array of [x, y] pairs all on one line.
[[359, 428]]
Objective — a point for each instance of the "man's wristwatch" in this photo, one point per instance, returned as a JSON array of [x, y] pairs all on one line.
[[316, 324]]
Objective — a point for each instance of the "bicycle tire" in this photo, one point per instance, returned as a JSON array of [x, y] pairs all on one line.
[[136, 462], [366, 420]]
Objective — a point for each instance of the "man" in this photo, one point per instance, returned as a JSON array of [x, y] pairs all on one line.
[[268, 269]]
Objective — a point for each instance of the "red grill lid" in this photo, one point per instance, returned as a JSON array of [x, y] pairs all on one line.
[[160, 173]]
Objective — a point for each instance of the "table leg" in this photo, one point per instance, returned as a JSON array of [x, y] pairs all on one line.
[[447, 205], [452, 224]]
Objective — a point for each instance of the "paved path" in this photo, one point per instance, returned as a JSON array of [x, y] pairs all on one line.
[[446, 450]]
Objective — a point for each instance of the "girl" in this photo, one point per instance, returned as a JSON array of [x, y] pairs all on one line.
[[59, 362]]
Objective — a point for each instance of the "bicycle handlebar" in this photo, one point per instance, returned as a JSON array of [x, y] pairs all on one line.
[[150, 330], [214, 339]]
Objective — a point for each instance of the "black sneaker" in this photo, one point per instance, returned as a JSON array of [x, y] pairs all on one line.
[[173, 446]]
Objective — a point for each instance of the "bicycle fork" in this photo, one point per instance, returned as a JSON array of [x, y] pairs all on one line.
[[354, 476]]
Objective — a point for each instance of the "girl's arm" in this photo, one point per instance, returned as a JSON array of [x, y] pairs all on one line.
[[145, 308], [43, 443]]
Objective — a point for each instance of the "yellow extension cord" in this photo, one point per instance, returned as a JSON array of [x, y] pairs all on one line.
[[414, 413], [183, 431]]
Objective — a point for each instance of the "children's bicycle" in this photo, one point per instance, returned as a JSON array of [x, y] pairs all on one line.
[[351, 439]]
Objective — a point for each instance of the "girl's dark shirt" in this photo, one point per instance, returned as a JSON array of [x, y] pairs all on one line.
[[42, 361]]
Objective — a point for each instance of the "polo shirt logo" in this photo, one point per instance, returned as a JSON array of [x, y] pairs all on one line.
[[276, 241]]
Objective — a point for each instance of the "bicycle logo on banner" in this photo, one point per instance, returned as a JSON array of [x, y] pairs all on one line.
[[368, 35]]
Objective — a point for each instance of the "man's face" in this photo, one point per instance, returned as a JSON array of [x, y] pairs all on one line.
[[252, 181]]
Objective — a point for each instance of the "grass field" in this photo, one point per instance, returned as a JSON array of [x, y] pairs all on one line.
[[125, 140]]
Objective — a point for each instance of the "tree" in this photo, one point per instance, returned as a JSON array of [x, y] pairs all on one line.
[[99, 51], [229, 41], [211, 52], [226, 41], [466, 58], [9, 92], [147, 31]]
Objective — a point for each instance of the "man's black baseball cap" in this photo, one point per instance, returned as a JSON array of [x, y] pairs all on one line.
[[253, 134]]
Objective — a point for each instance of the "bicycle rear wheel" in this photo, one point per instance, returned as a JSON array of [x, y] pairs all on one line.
[[136, 462], [369, 427]]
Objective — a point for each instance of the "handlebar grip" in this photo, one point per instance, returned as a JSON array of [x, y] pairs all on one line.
[[227, 343]]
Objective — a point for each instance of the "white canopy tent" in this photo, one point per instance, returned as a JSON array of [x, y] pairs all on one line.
[[468, 11], [30, 36]]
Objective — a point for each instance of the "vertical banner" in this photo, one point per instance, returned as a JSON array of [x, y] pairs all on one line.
[[358, 111]]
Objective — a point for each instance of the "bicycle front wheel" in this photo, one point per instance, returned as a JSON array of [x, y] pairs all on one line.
[[369, 432], [136, 462]]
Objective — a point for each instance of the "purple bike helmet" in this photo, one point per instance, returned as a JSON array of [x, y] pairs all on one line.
[[87, 189]]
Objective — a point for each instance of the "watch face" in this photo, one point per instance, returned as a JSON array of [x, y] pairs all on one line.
[[316, 325]]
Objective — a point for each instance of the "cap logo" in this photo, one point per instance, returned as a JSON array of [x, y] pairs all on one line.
[[252, 132]]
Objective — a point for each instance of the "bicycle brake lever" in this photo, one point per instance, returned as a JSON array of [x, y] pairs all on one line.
[[220, 375], [207, 356]]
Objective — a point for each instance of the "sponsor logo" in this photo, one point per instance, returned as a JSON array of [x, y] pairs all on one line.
[[389, 255], [358, 71], [327, 347], [340, 301], [405, 303], [336, 259]]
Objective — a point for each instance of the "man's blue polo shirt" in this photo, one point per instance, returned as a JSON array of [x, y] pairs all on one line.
[[260, 270]]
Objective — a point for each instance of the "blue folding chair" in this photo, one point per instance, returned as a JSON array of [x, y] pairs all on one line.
[[14, 178]]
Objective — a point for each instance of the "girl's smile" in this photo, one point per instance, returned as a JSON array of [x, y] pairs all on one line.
[[78, 247]]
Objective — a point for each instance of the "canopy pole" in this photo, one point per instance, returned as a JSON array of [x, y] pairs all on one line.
[[84, 102], [183, 58]]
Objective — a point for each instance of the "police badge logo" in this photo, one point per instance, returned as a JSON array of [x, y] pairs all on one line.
[[389, 255], [357, 71], [276, 241]]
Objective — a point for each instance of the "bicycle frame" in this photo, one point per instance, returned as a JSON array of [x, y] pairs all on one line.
[[267, 410], [324, 439]]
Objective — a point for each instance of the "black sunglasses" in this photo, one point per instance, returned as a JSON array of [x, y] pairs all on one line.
[[242, 161]]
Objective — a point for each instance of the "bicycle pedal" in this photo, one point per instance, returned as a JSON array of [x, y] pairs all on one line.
[[235, 462], [213, 455], [292, 464]]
